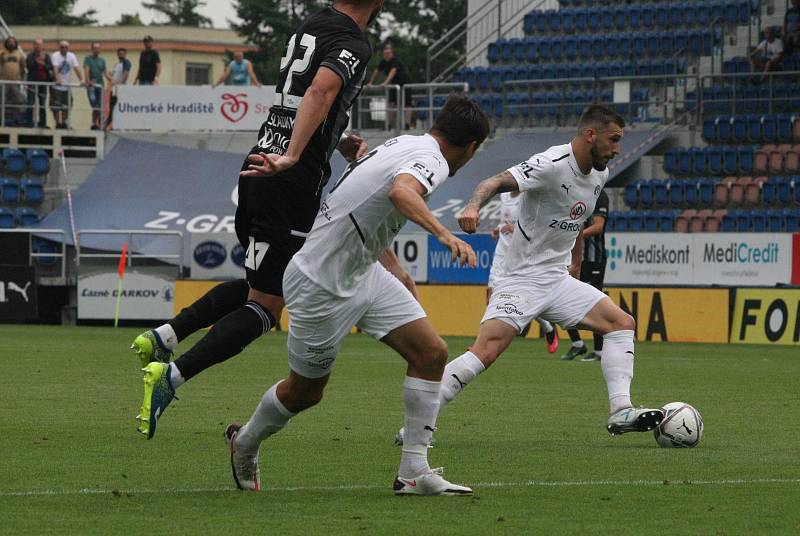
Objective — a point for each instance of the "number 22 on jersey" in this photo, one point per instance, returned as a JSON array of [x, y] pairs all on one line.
[[308, 44]]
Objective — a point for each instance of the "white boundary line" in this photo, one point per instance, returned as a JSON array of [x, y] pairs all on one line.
[[354, 487]]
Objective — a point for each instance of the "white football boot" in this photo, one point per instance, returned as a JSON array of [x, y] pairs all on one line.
[[634, 420], [430, 483], [244, 467]]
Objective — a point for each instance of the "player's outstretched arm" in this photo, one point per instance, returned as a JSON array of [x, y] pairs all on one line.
[[470, 217], [390, 261], [317, 102], [407, 195]]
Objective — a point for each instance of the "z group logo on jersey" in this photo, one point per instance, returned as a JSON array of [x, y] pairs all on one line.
[[578, 210]]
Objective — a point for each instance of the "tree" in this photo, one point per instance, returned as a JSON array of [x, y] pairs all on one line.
[[126, 19], [46, 13], [180, 12]]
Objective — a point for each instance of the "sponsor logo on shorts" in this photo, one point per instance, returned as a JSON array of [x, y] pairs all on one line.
[[210, 254], [510, 309], [319, 356]]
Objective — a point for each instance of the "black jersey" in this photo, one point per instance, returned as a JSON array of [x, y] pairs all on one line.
[[290, 200], [594, 247]]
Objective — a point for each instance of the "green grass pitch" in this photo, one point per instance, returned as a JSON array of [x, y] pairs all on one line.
[[529, 436]]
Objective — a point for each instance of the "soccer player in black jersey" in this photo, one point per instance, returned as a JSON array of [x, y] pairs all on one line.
[[280, 187], [593, 271]]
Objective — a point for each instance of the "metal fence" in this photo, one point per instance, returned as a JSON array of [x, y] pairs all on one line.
[[173, 253], [25, 104], [47, 254]]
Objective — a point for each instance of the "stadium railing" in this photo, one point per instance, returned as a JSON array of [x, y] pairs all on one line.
[[742, 93], [176, 255], [39, 252], [373, 110], [15, 114]]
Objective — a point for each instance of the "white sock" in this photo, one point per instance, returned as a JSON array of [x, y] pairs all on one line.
[[599, 353], [617, 365], [175, 377], [577, 344], [167, 336], [458, 373], [269, 418], [546, 326], [421, 399]]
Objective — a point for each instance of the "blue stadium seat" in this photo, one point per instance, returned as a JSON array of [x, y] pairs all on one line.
[[646, 193], [493, 52], [783, 189], [531, 49], [691, 193], [730, 161], [593, 18], [529, 23], [621, 18], [539, 105], [460, 75], [541, 22], [703, 14], [754, 131], [769, 128], [26, 217], [482, 78], [744, 221], [759, 219], [676, 189], [775, 221], [666, 43], [635, 16], [622, 224], [580, 20], [506, 50], [699, 161], [554, 20], [739, 128], [553, 101], [791, 220], [632, 194], [39, 245], [612, 46], [671, 160], [648, 16], [518, 50], [729, 222], [9, 191], [653, 44], [724, 130], [607, 19], [666, 221], [14, 161], [6, 219], [651, 218], [784, 128], [471, 78], [567, 21], [714, 156], [685, 162], [635, 223], [38, 162], [660, 193], [662, 15], [745, 160], [32, 191], [705, 189]]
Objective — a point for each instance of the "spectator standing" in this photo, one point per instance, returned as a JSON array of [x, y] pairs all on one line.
[[40, 69], [149, 65], [12, 64], [791, 28], [119, 77], [766, 56], [239, 72], [395, 74], [64, 63], [94, 68]]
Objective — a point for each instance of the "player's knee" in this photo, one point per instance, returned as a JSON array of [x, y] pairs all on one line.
[[624, 321], [432, 358]]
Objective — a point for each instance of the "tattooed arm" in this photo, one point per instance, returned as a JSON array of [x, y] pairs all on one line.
[[469, 219]]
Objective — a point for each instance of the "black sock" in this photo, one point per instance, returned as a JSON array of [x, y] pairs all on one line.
[[227, 338], [213, 306], [598, 343], [574, 335]]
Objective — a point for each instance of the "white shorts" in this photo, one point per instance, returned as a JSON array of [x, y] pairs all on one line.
[[319, 321], [563, 300], [495, 273]]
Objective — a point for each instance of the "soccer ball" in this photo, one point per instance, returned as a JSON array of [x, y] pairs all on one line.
[[682, 426]]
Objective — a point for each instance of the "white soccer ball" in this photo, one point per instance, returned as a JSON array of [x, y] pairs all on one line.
[[682, 426]]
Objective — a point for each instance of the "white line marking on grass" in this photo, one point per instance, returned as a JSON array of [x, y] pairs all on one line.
[[354, 487]]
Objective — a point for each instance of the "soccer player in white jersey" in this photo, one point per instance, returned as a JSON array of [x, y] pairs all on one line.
[[559, 189], [341, 277], [509, 212]]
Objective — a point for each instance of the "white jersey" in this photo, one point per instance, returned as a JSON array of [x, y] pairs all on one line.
[[556, 200], [357, 221], [509, 212]]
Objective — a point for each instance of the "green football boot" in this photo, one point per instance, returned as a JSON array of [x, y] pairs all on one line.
[[158, 393], [149, 348]]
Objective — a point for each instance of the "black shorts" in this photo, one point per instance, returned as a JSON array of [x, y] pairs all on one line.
[[393, 97], [267, 255], [593, 273]]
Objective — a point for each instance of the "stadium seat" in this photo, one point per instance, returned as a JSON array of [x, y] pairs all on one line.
[[724, 130], [784, 128], [632, 194], [714, 156], [32, 191], [646, 193], [744, 221], [635, 222], [784, 190], [683, 219], [6, 218], [691, 194], [650, 221], [660, 193], [671, 160], [706, 192], [9, 191], [759, 220], [792, 162], [775, 221], [761, 160], [666, 221], [769, 128], [722, 193], [38, 162], [699, 161], [752, 190], [675, 189], [685, 161], [710, 130], [635, 16], [697, 222], [730, 161], [776, 161], [493, 52], [791, 220], [26, 217], [739, 128], [754, 129], [729, 222], [736, 190], [745, 159], [13, 161], [39, 245]]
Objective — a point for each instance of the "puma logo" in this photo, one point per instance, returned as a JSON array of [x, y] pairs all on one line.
[[428, 428], [21, 291], [460, 383], [688, 431], [566, 187]]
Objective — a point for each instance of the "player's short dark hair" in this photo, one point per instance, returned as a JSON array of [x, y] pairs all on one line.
[[461, 121], [598, 117], [122, 49]]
